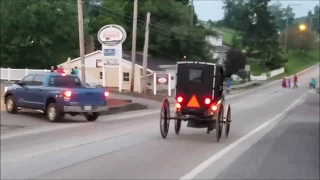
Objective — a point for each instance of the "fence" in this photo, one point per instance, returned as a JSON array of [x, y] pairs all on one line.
[[17, 74], [263, 76]]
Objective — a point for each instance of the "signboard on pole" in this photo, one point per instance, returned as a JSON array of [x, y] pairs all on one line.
[[112, 37], [162, 79]]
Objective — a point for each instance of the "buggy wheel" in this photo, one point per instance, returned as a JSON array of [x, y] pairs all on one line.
[[219, 123], [228, 122], [177, 126], [165, 118]]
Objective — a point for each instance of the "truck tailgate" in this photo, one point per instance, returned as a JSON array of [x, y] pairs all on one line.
[[88, 96]]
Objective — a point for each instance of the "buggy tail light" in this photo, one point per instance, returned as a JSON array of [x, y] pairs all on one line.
[[63, 74], [207, 101], [106, 94], [214, 107], [67, 93], [179, 99]]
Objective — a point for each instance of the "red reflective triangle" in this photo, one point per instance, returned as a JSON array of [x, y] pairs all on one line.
[[193, 102]]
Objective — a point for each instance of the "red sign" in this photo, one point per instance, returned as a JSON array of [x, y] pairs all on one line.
[[99, 63], [162, 79]]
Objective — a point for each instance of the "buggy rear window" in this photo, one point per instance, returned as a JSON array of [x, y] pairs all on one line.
[[65, 81], [196, 75]]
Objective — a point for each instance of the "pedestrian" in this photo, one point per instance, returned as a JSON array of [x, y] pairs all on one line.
[[228, 86], [76, 71], [52, 69], [295, 81], [60, 70], [289, 82], [284, 82], [313, 83]]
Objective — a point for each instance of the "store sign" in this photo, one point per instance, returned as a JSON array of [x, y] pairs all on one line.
[[107, 62], [162, 79], [112, 35], [109, 52]]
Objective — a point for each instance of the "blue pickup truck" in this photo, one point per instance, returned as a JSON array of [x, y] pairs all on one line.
[[55, 95]]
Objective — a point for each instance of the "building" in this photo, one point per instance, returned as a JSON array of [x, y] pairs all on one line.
[[220, 50], [94, 75]]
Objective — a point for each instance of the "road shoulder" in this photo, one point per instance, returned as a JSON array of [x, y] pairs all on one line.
[[287, 149]]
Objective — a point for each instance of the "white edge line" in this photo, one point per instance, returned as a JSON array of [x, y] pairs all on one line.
[[204, 165], [41, 130]]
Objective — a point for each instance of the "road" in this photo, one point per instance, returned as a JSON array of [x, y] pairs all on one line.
[[129, 146]]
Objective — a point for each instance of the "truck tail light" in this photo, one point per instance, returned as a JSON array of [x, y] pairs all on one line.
[[67, 93], [106, 94]]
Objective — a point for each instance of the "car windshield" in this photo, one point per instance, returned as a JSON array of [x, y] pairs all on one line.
[[65, 81]]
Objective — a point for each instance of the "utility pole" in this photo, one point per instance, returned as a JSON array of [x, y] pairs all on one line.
[[287, 24], [192, 13], [134, 48], [145, 55], [286, 38], [81, 41]]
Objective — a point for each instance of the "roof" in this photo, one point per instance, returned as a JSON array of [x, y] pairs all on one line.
[[87, 55], [153, 62]]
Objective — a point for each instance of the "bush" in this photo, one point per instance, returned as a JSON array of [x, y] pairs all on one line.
[[235, 60], [242, 74]]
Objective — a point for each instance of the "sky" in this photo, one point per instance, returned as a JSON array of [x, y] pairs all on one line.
[[212, 9]]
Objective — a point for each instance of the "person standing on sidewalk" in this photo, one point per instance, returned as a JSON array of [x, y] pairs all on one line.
[[289, 82], [295, 81]]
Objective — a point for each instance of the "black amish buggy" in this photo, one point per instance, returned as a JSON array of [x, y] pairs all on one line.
[[199, 99]]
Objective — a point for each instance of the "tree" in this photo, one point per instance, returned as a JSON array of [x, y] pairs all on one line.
[[260, 38], [281, 15], [171, 34], [299, 41], [37, 34], [235, 60], [313, 19], [233, 11]]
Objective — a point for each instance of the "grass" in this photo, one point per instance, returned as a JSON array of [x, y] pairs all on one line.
[[256, 69], [227, 34], [296, 63]]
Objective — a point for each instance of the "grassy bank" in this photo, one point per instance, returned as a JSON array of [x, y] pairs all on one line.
[[296, 63]]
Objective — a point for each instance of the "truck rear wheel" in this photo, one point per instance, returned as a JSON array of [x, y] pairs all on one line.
[[91, 116], [53, 113]]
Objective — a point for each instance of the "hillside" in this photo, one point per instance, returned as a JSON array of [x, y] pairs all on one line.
[[292, 66], [227, 34]]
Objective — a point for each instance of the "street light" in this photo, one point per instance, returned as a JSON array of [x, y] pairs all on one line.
[[302, 27]]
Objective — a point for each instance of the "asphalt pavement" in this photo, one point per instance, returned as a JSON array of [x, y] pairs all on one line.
[[288, 149], [129, 145]]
